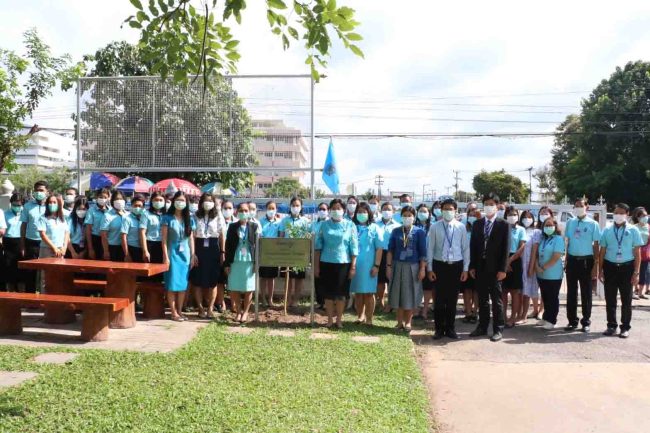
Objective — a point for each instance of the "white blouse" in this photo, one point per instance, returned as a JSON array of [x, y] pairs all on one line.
[[210, 228]]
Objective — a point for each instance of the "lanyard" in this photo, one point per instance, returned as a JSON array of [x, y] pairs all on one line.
[[405, 236], [619, 241], [543, 247], [450, 240], [206, 221], [245, 235]]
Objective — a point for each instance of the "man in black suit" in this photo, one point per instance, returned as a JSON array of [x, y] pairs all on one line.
[[489, 248]]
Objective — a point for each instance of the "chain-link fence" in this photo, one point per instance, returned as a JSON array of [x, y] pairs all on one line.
[[247, 123]]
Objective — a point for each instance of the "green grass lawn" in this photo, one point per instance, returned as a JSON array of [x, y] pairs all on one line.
[[222, 382]]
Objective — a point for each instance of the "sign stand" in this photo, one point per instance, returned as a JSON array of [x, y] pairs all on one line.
[[287, 253]]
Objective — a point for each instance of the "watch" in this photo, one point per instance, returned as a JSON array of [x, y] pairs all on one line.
[[375, 266]]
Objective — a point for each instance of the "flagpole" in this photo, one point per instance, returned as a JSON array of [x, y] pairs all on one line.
[[313, 195]]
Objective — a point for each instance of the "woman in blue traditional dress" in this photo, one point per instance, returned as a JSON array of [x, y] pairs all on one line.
[[178, 252]]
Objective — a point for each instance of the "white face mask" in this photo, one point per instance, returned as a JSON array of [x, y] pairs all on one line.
[[543, 217], [295, 210], [69, 199], [119, 204], [270, 214], [81, 213], [352, 207], [336, 214], [208, 206], [227, 213], [527, 222], [490, 210], [501, 213], [579, 211], [512, 219], [101, 202], [620, 218], [408, 221], [387, 214], [194, 207], [322, 214], [373, 207]]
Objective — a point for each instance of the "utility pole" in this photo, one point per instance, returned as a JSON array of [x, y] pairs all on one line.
[[530, 185], [379, 181], [456, 174], [423, 191]]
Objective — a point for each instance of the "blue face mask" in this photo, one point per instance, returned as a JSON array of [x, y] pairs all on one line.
[[437, 212], [136, 211], [643, 220], [17, 209], [471, 220], [40, 195], [53, 207], [362, 218], [549, 230]]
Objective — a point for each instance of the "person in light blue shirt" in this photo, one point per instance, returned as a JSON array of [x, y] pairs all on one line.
[[364, 283], [111, 228], [407, 251], [549, 271], [77, 229], [336, 250], [513, 282], [53, 229], [295, 225], [150, 232], [619, 264], [270, 224], [387, 223], [11, 243], [582, 235], [130, 239], [447, 264], [93, 222], [351, 207], [30, 238], [404, 201]]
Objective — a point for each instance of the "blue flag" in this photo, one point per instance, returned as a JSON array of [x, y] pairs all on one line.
[[330, 170]]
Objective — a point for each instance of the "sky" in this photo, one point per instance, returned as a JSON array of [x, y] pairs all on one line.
[[429, 67]]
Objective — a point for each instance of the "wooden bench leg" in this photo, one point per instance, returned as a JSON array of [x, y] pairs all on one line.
[[10, 320], [122, 285], [95, 324], [154, 304], [58, 283]]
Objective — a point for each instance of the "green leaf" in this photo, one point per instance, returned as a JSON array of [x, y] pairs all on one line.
[[180, 75], [277, 30], [232, 45], [142, 16], [276, 4], [270, 16], [233, 55], [135, 24], [137, 4], [331, 5], [354, 36], [285, 42], [293, 32], [356, 50], [163, 6]]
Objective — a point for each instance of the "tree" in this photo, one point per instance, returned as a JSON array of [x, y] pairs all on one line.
[[24, 82], [367, 195], [546, 181], [181, 41], [58, 179], [192, 129], [287, 188], [464, 196], [501, 183], [606, 148]]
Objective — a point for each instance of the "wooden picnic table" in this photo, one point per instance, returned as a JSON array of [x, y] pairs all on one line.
[[120, 283]]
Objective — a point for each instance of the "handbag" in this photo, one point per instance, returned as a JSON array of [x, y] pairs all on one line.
[[645, 252]]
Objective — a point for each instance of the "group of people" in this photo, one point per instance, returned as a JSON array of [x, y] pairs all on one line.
[[363, 250]]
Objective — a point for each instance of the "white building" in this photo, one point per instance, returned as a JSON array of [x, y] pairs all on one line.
[[47, 150], [277, 145]]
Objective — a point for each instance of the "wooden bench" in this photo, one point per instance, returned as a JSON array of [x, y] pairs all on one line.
[[153, 295], [96, 311], [90, 285]]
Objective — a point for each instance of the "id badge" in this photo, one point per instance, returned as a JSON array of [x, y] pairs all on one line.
[[206, 242], [577, 234], [450, 255], [181, 248], [409, 253], [244, 251], [619, 255], [402, 256]]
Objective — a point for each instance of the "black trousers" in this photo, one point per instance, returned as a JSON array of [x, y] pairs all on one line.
[[578, 271], [618, 278], [489, 289], [551, 298], [32, 249], [447, 288]]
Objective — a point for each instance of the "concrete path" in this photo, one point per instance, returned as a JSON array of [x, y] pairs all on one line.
[[539, 381]]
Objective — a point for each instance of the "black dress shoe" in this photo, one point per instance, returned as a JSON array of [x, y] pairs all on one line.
[[624, 334], [570, 328], [438, 335], [452, 334], [473, 319], [610, 332], [478, 332], [585, 328], [497, 336]]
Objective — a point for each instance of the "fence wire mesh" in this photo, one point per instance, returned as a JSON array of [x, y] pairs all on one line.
[[260, 124]]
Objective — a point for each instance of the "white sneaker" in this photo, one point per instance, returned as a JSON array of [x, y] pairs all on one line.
[[548, 326], [541, 322]]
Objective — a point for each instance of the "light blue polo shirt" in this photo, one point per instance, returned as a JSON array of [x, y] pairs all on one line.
[[581, 235], [13, 224], [31, 213], [54, 229], [625, 238], [131, 228], [517, 234], [151, 222], [112, 223], [270, 229], [3, 223], [77, 235], [337, 241], [388, 229], [302, 223], [94, 218], [548, 247]]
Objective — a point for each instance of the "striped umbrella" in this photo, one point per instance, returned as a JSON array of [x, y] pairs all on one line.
[[175, 184], [133, 184], [103, 180]]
